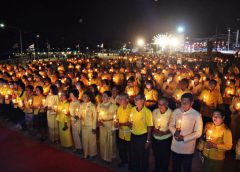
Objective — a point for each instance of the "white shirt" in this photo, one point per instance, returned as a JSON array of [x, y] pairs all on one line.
[[191, 129], [163, 123]]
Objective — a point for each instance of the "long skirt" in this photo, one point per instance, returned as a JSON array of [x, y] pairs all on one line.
[[65, 136], [53, 129], [89, 141], [76, 132], [107, 139]]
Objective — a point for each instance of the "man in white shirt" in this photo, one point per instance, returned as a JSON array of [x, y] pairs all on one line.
[[186, 127], [162, 137]]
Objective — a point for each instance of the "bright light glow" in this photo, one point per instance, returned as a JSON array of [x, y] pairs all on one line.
[[167, 41], [180, 29], [2, 25], [140, 42]]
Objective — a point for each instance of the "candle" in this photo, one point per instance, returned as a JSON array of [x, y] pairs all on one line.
[[30, 102], [100, 116], [178, 125], [209, 135], [159, 123], [59, 94], [6, 96], [114, 118], [13, 101], [238, 106], [204, 98], [55, 108], [20, 103], [64, 111], [131, 117], [178, 97], [43, 101]]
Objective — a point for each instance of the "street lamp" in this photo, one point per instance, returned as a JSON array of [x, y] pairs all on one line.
[[2, 25], [180, 29], [140, 42]]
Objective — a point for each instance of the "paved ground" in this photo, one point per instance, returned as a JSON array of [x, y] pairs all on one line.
[[196, 167]]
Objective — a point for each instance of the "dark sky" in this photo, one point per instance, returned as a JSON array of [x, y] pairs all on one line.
[[112, 21]]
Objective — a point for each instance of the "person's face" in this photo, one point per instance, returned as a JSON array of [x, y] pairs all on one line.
[[212, 86], [186, 104], [85, 98], [217, 118], [63, 97], [38, 92], [162, 105], [139, 102], [72, 97], [196, 80], [123, 101], [105, 98]]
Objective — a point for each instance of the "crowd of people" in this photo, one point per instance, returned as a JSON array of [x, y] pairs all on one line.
[[128, 105]]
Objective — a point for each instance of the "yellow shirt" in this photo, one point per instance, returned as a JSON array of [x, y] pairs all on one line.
[[151, 94], [37, 102], [123, 116], [132, 91], [221, 136], [88, 114], [211, 98], [118, 78], [46, 89], [141, 120], [62, 111]]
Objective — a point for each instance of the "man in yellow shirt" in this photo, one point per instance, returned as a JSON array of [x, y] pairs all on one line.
[[141, 119], [123, 117]]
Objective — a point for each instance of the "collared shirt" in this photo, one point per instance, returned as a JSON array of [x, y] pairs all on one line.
[[141, 120], [62, 111], [123, 116], [221, 136], [163, 123], [74, 109], [88, 114], [191, 129]]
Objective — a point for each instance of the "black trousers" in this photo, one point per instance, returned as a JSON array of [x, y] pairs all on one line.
[[124, 150], [162, 151], [139, 155], [181, 162]]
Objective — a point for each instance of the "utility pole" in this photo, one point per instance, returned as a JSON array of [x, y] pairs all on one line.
[[229, 34], [237, 35]]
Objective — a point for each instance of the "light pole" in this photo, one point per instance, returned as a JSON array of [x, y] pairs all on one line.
[[229, 32], [181, 31], [2, 25]]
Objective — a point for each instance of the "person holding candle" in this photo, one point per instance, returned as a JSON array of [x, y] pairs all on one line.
[[75, 120], [51, 103], [28, 107], [151, 95], [210, 99], [106, 111], [88, 115], [46, 86], [141, 123], [123, 119], [218, 139], [96, 94], [131, 89], [63, 119], [162, 137], [37, 104], [169, 86], [184, 84], [186, 127], [229, 92]]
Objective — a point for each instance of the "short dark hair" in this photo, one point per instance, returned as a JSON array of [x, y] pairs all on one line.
[[75, 92], [54, 89], [40, 89], [187, 96], [108, 93], [212, 81]]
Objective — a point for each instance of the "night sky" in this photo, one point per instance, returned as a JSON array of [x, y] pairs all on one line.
[[111, 21]]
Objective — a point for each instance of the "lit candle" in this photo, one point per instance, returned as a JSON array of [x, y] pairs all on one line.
[[30, 102], [178, 97], [209, 135], [55, 108], [43, 101], [6, 96], [59, 94], [13, 101], [64, 111], [131, 118], [178, 125], [100, 116], [114, 118], [159, 123], [238, 106], [204, 98]]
